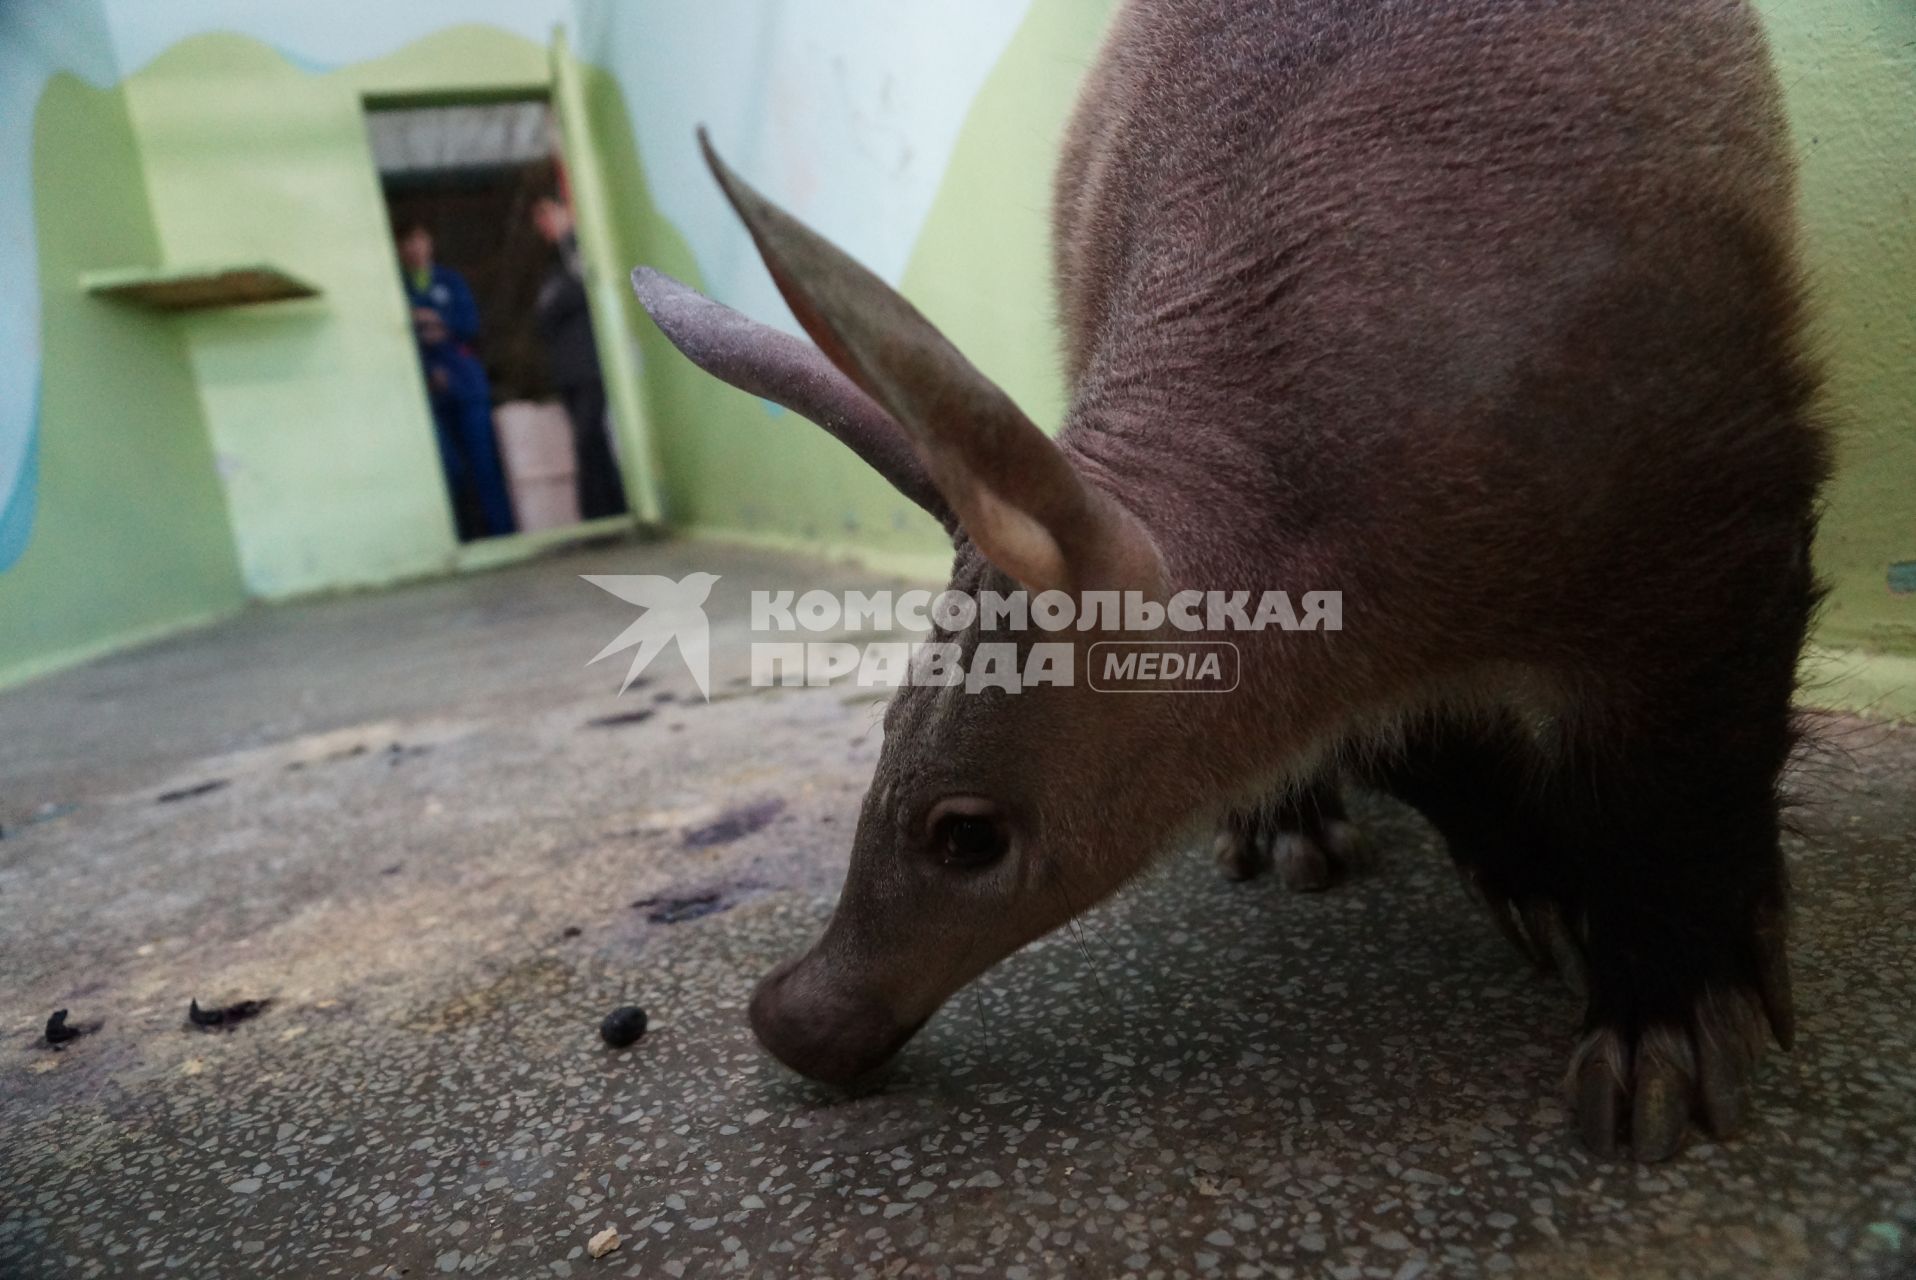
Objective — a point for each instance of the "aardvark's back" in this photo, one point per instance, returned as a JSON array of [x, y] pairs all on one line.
[[1451, 262]]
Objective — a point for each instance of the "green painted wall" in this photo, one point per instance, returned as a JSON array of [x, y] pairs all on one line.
[[730, 465], [983, 263], [735, 467], [315, 408], [131, 538], [1849, 68], [727, 463]]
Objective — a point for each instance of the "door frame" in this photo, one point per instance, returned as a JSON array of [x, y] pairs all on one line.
[[608, 282], [598, 245]]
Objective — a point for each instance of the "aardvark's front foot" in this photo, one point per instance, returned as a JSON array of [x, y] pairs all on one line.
[[1638, 1081]]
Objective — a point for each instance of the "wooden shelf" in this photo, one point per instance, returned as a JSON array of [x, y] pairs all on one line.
[[196, 288]]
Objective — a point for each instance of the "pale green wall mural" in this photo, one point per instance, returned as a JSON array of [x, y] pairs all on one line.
[[848, 111], [38, 41], [318, 37], [1849, 69], [121, 528], [316, 410], [131, 537]]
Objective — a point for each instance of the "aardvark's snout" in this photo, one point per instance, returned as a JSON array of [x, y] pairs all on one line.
[[822, 1027]]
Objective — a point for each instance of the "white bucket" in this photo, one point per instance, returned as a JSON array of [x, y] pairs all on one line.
[[535, 443]]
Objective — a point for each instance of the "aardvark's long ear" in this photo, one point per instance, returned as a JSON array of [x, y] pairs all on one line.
[[767, 362], [1014, 492]]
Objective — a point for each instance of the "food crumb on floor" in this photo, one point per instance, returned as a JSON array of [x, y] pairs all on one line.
[[224, 1015], [735, 824], [187, 793], [623, 1026], [58, 1032], [603, 1243]]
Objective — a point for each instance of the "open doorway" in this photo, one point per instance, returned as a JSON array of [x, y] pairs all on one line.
[[485, 252]]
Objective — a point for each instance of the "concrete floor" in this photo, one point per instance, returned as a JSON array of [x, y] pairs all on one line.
[[1206, 1079]]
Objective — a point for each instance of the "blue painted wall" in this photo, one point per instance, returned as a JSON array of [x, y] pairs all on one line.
[[38, 40]]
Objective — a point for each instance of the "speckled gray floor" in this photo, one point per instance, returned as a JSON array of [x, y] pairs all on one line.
[[1204, 1079]]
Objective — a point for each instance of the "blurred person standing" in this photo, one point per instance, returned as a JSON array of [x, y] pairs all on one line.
[[445, 323], [432, 287], [564, 321]]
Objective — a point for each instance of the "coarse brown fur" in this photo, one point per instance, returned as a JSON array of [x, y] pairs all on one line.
[[1484, 313]]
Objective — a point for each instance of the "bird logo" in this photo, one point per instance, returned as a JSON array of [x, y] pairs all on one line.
[[673, 611]]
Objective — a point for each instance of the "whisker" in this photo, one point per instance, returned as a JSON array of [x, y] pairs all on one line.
[[984, 1023], [1091, 967]]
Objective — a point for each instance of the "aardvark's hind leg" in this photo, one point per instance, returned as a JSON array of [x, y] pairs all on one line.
[[1478, 780], [1304, 834]]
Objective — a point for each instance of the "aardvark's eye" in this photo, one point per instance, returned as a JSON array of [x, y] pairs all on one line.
[[964, 834]]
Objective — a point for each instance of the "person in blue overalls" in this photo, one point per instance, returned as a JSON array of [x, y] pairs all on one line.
[[462, 418], [446, 322]]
